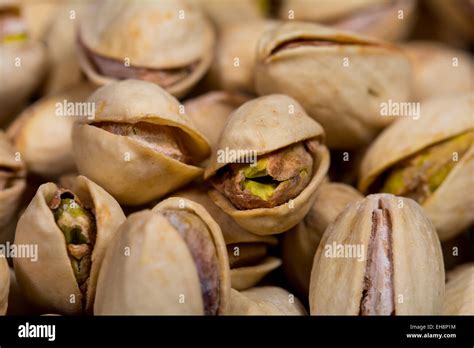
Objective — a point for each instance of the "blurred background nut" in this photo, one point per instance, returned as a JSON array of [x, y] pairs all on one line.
[[276, 161], [439, 69], [299, 245], [42, 133], [385, 19], [177, 264], [459, 298], [139, 146], [431, 160], [249, 254], [169, 43], [224, 13], [4, 284], [71, 230], [339, 78], [380, 257], [265, 300]]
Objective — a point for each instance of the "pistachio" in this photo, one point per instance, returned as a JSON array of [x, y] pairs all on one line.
[[387, 253], [459, 298], [225, 13], [4, 284]]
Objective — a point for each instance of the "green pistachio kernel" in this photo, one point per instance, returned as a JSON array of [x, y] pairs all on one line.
[[264, 191], [258, 170], [15, 38]]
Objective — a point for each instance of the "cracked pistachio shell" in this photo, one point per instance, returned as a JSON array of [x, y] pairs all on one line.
[[10, 197], [49, 282], [264, 125], [241, 277], [459, 298], [378, 18], [159, 269], [265, 300], [304, 238], [415, 259], [4, 284], [345, 100], [158, 35], [43, 137], [210, 112], [148, 174], [449, 207], [434, 62]]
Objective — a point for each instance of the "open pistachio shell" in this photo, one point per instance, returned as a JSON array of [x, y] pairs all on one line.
[[4, 284], [169, 42], [339, 78], [49, 282], [304, 238], [380, 257], [441, 120], [434, 62], [266, 300], [133, 172], [42, 132], [248, 276], [259, 127], [459, 298], [12, 182], [380, 18]]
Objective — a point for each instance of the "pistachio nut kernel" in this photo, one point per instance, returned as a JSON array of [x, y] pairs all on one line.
[[276, 178], [12, 26], [197, 235], [163, 139], [78, 226], [419, 176]]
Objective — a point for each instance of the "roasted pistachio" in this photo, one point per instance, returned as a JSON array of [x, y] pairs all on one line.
[[430, 159], [72, 230], [306, 62], [151, 41], [177, 264], [386, 253], [278, 162], [459, 298], [266, 300], [4, 284], [139, 146]]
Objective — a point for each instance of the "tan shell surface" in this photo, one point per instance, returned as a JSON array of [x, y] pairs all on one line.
[[224, 13], [459, 298], [151, 278], [345, 100], [49, 282], [266, 300], [4, 284], [418, 271], [246, 277], [217, 238]]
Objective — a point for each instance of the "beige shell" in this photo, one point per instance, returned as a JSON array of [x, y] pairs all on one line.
[[246, 277], [345, 100], [434, 62], [17, 302], [132, 173], [374, 18], [450, 209], [4, 284], [224, 13], [418, 272], [266, 300], [10, 197], [159, 273], [263, 125], [151, 34], [42, 133], [459, 298], [49, 282], [304, 238]]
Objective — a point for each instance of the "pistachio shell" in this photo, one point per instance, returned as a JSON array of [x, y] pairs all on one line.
[[43, 137], [50, 282], [261, 126], [246, 277], [4, 284], [155, 35], [17, 302], [459, 298], [224, 13], [416, 263], [329, 90], [450, 209], [266, 300], [148, 174], [304, 238]]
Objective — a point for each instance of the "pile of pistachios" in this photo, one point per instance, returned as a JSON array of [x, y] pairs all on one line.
[[218, 157]]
